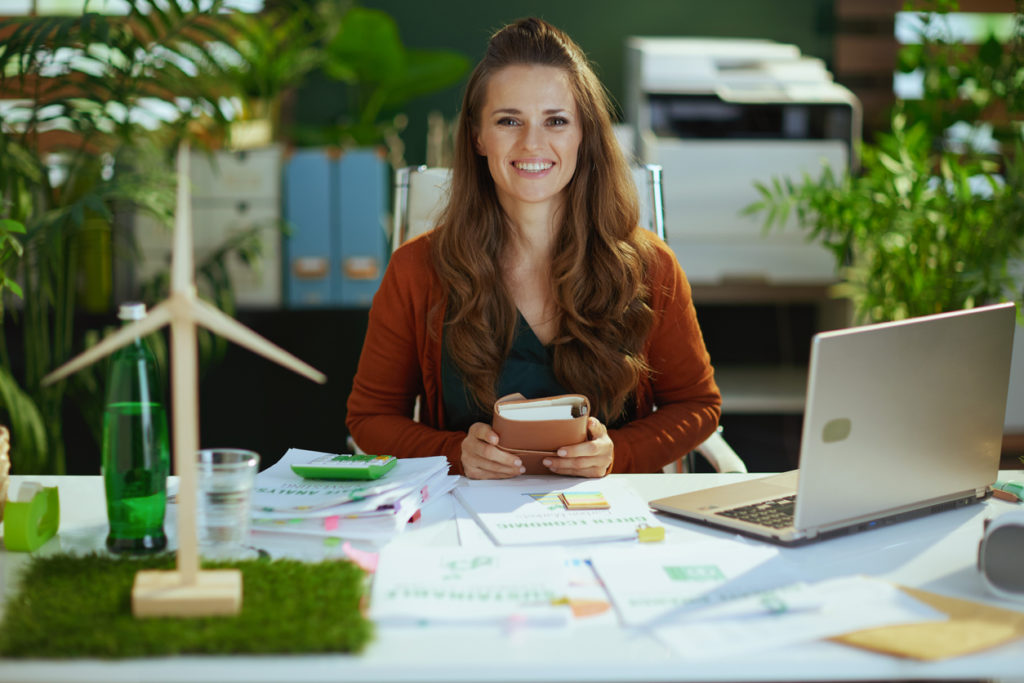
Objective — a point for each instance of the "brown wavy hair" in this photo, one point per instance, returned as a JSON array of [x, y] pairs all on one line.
[[599, 266]]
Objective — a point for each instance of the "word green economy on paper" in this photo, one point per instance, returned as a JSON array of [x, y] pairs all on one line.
[[582, 521]]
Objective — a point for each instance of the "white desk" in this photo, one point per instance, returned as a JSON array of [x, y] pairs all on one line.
[[936, 554]]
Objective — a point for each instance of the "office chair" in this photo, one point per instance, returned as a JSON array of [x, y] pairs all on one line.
[[419, 195]]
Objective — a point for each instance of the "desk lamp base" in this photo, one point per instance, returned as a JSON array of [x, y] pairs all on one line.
[[159, 593]]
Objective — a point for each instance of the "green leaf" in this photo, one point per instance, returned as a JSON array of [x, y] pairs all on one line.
[[11, 225], [367, 45], [990, 52], [425, 72], [13, 286], [29, 453]]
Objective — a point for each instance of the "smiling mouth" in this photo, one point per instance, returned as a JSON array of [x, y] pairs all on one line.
[[533, 166]]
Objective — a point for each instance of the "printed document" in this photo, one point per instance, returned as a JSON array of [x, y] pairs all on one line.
[[791, 614], [651, 581], [534, 513], [279, 489], [417, 585]]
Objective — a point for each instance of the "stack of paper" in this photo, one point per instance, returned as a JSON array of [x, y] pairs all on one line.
[[374, 510], [459, 586]]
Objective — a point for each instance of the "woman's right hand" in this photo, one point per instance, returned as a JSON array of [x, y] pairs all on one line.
[[482, 459]]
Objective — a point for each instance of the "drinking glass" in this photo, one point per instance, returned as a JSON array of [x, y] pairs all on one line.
[[225, 477]]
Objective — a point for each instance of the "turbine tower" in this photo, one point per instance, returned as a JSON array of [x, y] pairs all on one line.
[[186, 591]]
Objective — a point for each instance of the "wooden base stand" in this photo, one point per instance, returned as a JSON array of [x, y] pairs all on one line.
[[159, 593]]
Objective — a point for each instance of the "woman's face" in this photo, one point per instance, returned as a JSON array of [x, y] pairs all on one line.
[[530, 133]]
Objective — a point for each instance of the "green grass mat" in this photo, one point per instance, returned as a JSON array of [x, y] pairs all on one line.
[[80, 606]]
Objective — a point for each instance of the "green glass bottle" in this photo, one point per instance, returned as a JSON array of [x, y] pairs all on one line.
[[136, 458]]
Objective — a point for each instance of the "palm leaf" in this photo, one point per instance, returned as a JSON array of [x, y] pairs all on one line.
[[28, 432]]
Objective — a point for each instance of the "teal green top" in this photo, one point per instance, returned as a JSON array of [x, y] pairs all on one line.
[[527, 370]]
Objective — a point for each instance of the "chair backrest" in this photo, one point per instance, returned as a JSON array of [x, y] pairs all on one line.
[[419, 196], [420, 192]]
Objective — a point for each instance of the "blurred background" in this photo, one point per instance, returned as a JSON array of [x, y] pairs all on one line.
[[299, 114]]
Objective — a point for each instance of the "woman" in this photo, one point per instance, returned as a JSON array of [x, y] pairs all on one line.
[[537, 280]]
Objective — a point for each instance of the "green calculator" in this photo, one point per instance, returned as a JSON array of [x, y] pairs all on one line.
[[330, 466]]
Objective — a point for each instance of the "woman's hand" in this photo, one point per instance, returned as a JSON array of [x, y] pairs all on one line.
[[588, 459], [482, 459]]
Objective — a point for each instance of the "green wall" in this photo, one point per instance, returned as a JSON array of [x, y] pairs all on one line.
[[599, 26]]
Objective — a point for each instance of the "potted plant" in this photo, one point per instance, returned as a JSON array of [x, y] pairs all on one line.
[[108, 99], [337, 249], [270, 53], [933, 220], [365, 55]]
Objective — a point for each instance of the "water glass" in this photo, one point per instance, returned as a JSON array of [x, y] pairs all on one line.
[[225, 477]]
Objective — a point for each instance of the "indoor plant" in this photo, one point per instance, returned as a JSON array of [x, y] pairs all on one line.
[[933, 220], [378, 74], [271, 52], [93, 139]]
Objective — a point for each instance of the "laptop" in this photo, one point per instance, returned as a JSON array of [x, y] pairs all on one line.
[[902, 419]]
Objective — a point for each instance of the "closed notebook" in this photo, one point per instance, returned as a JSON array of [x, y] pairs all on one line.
[[536, 428]]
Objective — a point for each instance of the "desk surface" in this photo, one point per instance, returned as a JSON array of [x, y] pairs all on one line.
[[936, 553]]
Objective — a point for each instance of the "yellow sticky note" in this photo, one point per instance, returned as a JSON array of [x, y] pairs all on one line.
[[584, 500]]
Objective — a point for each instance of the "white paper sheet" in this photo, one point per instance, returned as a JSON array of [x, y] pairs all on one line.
[[378, 524], [530, 513], [651, 581], [471, 534], [792, 615], [278, 489], [415, 586]]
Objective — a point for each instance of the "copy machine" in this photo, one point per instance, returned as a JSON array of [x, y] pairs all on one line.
[[720, 114]]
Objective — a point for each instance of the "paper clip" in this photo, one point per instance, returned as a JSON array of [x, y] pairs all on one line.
[[650, 534]]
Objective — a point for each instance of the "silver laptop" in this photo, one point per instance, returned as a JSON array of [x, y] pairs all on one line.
[[902, 419]]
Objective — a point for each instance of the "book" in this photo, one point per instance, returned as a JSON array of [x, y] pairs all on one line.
[[535, 428]]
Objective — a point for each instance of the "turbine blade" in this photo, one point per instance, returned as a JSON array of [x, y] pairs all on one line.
[[217, 321], [154, 320]]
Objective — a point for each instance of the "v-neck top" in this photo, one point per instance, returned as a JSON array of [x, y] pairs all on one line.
[[528, 370]]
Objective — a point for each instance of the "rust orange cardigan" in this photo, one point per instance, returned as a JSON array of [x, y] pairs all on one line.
[[401, 359]]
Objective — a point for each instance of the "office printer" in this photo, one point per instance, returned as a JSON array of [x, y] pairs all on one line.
[[720, 114]]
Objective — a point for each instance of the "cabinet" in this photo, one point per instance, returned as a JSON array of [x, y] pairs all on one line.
[[232, 193]]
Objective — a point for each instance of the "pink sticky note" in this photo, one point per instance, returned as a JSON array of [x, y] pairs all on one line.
[[331, 523], [362, 558]]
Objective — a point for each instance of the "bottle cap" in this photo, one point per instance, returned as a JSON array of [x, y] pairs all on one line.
[[133, 310]]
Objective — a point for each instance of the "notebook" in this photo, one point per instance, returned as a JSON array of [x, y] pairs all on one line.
[[902, 419]]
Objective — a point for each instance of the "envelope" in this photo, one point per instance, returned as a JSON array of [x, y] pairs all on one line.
[[536, 428]]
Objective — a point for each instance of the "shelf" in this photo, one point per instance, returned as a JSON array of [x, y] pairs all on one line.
[[762, 389]]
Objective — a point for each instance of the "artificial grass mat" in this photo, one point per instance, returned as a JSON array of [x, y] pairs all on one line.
[[80, 606]]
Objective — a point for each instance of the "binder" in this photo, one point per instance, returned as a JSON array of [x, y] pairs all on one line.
[[307, 213], [335, 204], [359, 248]]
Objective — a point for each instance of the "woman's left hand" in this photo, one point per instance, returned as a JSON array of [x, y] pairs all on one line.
[[591, 458]]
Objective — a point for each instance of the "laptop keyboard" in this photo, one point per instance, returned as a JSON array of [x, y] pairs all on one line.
[[776, 513]]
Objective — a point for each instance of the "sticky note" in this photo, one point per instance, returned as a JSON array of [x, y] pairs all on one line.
[[650, 534], [584, 500]]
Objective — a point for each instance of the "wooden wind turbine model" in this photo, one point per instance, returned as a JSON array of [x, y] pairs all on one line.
[[186, 591]]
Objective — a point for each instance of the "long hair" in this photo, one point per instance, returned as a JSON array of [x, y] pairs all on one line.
[[599, 264]]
